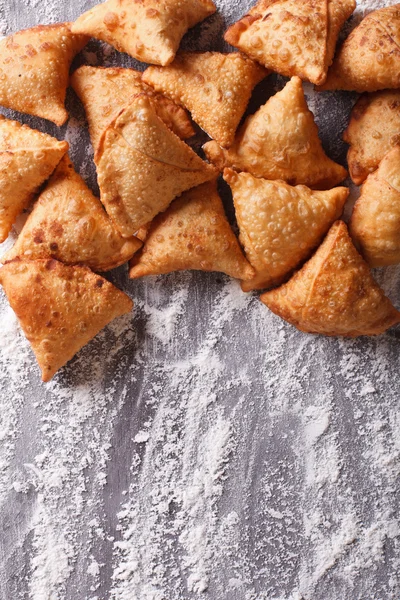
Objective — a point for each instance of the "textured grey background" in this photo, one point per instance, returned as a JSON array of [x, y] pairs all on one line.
[[268, 377]]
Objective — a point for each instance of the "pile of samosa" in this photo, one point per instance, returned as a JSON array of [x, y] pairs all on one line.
[[159, 207]]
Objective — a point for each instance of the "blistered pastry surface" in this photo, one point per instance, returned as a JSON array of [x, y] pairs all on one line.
[[199, 447]]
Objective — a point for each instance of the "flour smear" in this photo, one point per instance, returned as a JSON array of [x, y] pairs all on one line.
[[200, 447]]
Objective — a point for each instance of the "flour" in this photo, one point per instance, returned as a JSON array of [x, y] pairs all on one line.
[[199, 448], [141, 437]]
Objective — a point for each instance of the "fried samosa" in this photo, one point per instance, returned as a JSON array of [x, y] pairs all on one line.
[[373, 130], [280, 141], [375, 222], [149, 30], [292, 37], [193, 233], [369, 59], [34, 70], [279, 224], [214, 87], [142, 166], [69, 223], [60, 308], [334, 293], [27, 158]]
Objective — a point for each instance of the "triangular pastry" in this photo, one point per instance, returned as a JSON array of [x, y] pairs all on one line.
[[292, 37], [375, 222], [193, 233], [142, 166], [149, 30], [60, 308], [104, 92], [373, 130], [369, 59], [334, 293], [27, 158], [280, 141], [69, 224], [34, 70], [214, 87], [280, 225]]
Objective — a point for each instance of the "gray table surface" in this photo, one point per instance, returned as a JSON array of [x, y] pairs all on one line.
[[200, 447]]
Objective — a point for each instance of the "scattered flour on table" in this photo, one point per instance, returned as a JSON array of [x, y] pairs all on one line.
[[210, 432], [202, 448]]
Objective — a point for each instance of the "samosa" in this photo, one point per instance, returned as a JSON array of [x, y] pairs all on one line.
[[280, 141], [148, 30], [375, 222], [279, 224], [369, 59], [60, 308], [193, 233], [69, 223], [374, 129], [142, 166], [292, 37], [27, 159], [34, 70], [334, 293]]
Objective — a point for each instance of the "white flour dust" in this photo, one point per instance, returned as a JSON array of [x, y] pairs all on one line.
[[199, 448]]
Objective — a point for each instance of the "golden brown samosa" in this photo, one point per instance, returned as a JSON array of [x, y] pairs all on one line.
[[34, 70], [374, 129], [375, 222], [369, 59], [142, 166], [280, 141], [69, 223], [60, 308], [149, 30], [27, 158], [279, 224], [334, 293], [292, 37], [193, 233]]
